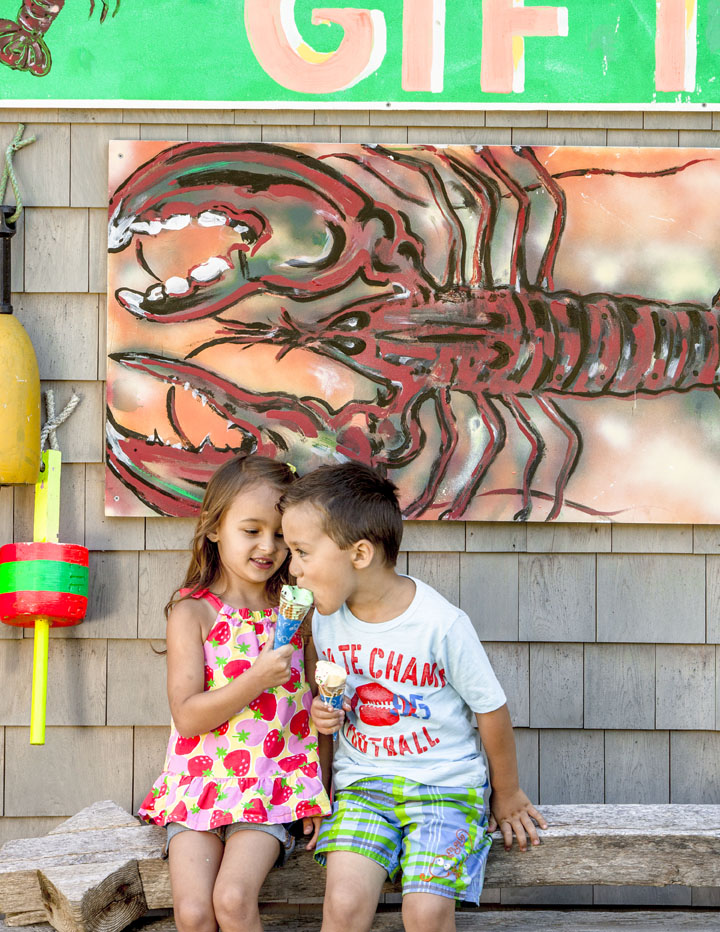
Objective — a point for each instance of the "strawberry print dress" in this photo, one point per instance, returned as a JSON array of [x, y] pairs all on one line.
[[261, 765]]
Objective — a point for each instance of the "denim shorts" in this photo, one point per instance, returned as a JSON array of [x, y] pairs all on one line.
[[437, 835], [223, 832]]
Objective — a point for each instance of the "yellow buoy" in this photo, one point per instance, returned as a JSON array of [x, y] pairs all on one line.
[[19, 381], [19, 405]]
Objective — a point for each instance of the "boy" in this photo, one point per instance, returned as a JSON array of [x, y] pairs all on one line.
[[410, 784]]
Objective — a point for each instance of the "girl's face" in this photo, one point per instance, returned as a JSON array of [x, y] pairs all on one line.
[[249, 536]]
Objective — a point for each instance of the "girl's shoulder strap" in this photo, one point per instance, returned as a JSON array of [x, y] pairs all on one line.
[[216, 602]]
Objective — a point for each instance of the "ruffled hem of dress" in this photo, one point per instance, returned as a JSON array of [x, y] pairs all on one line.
[[204, 803]]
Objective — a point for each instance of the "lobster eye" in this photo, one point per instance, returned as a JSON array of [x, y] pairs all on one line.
[[357, 320], [350, 346]]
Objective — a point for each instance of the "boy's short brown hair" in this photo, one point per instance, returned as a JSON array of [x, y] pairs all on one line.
[[357, 504]]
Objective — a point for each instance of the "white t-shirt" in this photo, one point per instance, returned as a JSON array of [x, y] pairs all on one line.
[[414, 683]]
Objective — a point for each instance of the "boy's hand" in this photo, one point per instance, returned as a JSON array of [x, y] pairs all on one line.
[[273, 667], [311, 824], [513, 812], [327, 720]]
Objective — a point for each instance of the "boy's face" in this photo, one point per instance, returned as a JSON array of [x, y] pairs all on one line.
[[317, 561]]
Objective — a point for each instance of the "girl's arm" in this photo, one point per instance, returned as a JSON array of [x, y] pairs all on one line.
[[512, 811], [195, 710]]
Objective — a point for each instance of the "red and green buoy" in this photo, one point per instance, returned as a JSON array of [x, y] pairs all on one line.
[[44, 583]]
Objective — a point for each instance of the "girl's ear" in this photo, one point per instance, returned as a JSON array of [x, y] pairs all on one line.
[[363, 552], [213, 536]]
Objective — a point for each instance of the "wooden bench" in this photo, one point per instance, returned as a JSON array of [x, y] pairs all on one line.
[[103, 870]]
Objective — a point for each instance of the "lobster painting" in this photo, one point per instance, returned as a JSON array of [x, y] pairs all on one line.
[[22, 43], [416, 308]]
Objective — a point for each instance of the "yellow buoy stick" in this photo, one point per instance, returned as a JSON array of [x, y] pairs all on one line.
[[39, 681], [46, 529]]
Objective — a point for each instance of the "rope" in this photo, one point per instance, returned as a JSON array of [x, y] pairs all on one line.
[[53, 422], [9, 172]]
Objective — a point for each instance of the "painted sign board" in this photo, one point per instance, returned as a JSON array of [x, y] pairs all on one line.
[[525, 333], [406, 54]]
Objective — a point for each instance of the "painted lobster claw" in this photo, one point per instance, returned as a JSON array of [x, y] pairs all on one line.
[[22, 45], [339, 234], [23, 49], [170, 474]]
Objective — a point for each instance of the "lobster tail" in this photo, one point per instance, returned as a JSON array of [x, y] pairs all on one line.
[[23, 50]]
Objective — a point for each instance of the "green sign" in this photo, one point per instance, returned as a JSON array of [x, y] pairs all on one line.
[[395, 53]]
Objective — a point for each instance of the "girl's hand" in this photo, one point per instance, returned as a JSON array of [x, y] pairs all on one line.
[[514, 813], [326, 719], [311, 824], [273, 668]]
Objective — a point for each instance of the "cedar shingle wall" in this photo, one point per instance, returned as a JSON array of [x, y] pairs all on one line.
[[604, 637]]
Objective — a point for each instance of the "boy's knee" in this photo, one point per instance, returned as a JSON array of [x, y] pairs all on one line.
[[428, 912], [343, 902]]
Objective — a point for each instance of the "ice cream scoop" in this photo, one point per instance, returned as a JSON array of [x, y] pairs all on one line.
[[294, 605], [330, 678]]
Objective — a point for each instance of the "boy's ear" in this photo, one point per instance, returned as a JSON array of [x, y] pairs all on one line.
[[363, 554]]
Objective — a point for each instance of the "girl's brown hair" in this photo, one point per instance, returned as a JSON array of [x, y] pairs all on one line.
[[237, 475]]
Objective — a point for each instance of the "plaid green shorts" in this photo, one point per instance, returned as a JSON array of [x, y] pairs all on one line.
[[436, 835]]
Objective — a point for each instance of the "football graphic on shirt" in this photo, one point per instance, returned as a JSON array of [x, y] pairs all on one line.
[[376, 705]]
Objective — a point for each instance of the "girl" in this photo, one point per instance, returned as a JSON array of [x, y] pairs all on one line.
[[242, 757]]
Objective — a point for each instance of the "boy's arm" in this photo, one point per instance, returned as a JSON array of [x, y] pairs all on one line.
[[511, 810], [325, 744]]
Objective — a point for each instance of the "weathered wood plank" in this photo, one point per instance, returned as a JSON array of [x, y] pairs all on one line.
[[642, 137], [78, 874], [637, 767], [45, 781], [556, 685], [434, 536], [558, 136], [112, 597], [72, 508], [485, 919], [293, 133], [572, 766], [64, 333], [685, 686], [712, 598], [88, 174], [569, 538], [81, 437], [107, 533], [694, 755], [511, 665], [640, 598], [102, 816], [136, 684], [45, 171], [222, 132], [619, 686], [72, 699], [160, 572], [489, 594], [150, 743], [439, 570], [56, 249], [495, 537], [458, 135], [652, 538], [609, 119], [103, 897], [557, 597]]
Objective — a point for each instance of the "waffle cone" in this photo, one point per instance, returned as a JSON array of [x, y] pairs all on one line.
[[292, 610]]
